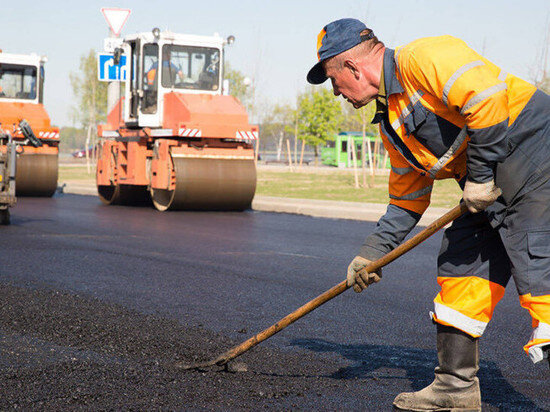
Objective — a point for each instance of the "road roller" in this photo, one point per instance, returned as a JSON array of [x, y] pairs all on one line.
[[8, 158], [24, 117], [176, 140]]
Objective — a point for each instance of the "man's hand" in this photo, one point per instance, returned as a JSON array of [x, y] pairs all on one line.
[[479, 196], [358, 277]]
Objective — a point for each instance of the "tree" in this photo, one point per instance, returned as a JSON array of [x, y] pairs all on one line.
[[544, 84], [360, 120], [278, 124], [239, 86], [356, 119], [540, 73], [319, 117], [71, 138], [90, 93]]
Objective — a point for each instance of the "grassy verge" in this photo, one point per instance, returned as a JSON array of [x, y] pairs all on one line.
[[324, 184], [340, 185], [76, 173]]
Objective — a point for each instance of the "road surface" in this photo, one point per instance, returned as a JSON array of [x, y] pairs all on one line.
[[98, 302]]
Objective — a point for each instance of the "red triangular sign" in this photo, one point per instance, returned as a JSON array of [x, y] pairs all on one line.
[[115, 18]]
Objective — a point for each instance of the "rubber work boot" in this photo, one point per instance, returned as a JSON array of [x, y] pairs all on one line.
[[455, 387]]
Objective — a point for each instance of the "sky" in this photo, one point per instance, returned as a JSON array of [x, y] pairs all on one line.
[[275, 39]]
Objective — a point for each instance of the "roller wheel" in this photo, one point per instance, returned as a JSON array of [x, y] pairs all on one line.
[[108, 194], [36, 174], [127, 195], [209, 184]]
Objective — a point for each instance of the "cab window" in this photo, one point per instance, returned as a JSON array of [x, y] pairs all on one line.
[[17, 81], [150, 81], [188, 67]]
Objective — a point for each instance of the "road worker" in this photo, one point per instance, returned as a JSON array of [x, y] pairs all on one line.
[[444, 111], [173, 72], [170, 74]]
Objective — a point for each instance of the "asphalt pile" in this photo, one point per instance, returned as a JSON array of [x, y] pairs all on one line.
[[62, 351]]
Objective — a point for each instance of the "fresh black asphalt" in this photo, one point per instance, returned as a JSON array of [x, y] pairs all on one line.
[[98, 301]]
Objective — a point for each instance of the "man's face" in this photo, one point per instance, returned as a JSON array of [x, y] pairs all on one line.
[[355, 86]]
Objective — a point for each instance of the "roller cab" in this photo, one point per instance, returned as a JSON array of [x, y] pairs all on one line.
[[24, 118], [177, 140]]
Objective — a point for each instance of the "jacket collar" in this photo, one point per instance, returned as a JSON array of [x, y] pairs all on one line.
[[391, 83]]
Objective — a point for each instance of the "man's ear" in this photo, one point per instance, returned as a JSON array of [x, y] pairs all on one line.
[[352, 66]]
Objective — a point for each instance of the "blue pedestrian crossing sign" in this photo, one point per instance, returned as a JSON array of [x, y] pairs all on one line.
[[107, 71]]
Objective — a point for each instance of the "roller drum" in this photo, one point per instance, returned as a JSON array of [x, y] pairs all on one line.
[[36, 174], [127, 195], [108, 194], [209, 184]]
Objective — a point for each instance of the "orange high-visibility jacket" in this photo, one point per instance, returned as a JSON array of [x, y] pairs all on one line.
[[451, 114], [449, 109]]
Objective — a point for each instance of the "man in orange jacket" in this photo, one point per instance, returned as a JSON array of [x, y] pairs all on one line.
[[445, 111]]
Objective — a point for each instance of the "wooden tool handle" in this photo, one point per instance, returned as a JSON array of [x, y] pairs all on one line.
[[334, 291], [414, 241]]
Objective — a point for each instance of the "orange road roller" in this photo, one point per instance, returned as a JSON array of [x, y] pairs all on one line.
[[176, 139], [23, 116]]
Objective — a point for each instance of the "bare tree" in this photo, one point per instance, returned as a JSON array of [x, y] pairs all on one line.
[[540, 72], [91, 95]]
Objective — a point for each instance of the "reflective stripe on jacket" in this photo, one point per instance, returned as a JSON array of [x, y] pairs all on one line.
[[449, 110]]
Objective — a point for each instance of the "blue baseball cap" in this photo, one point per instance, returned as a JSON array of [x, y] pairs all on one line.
[[335, 38]]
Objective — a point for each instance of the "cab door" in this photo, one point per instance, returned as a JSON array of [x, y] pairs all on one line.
[[149, 107], [133, 87]]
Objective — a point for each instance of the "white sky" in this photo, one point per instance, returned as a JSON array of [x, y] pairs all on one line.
[[276, 39]]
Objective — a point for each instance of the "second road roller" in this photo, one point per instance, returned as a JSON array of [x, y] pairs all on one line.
[[23, 116], [176, 139]]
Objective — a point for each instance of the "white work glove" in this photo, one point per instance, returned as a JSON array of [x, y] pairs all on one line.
[[358, 277], [479, 196]]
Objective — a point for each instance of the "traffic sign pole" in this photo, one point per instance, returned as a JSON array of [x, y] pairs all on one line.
[[113, 88]]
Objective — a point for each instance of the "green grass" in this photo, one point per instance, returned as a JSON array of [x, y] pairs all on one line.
[[74, 173], [339, 185], [325, 184]]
